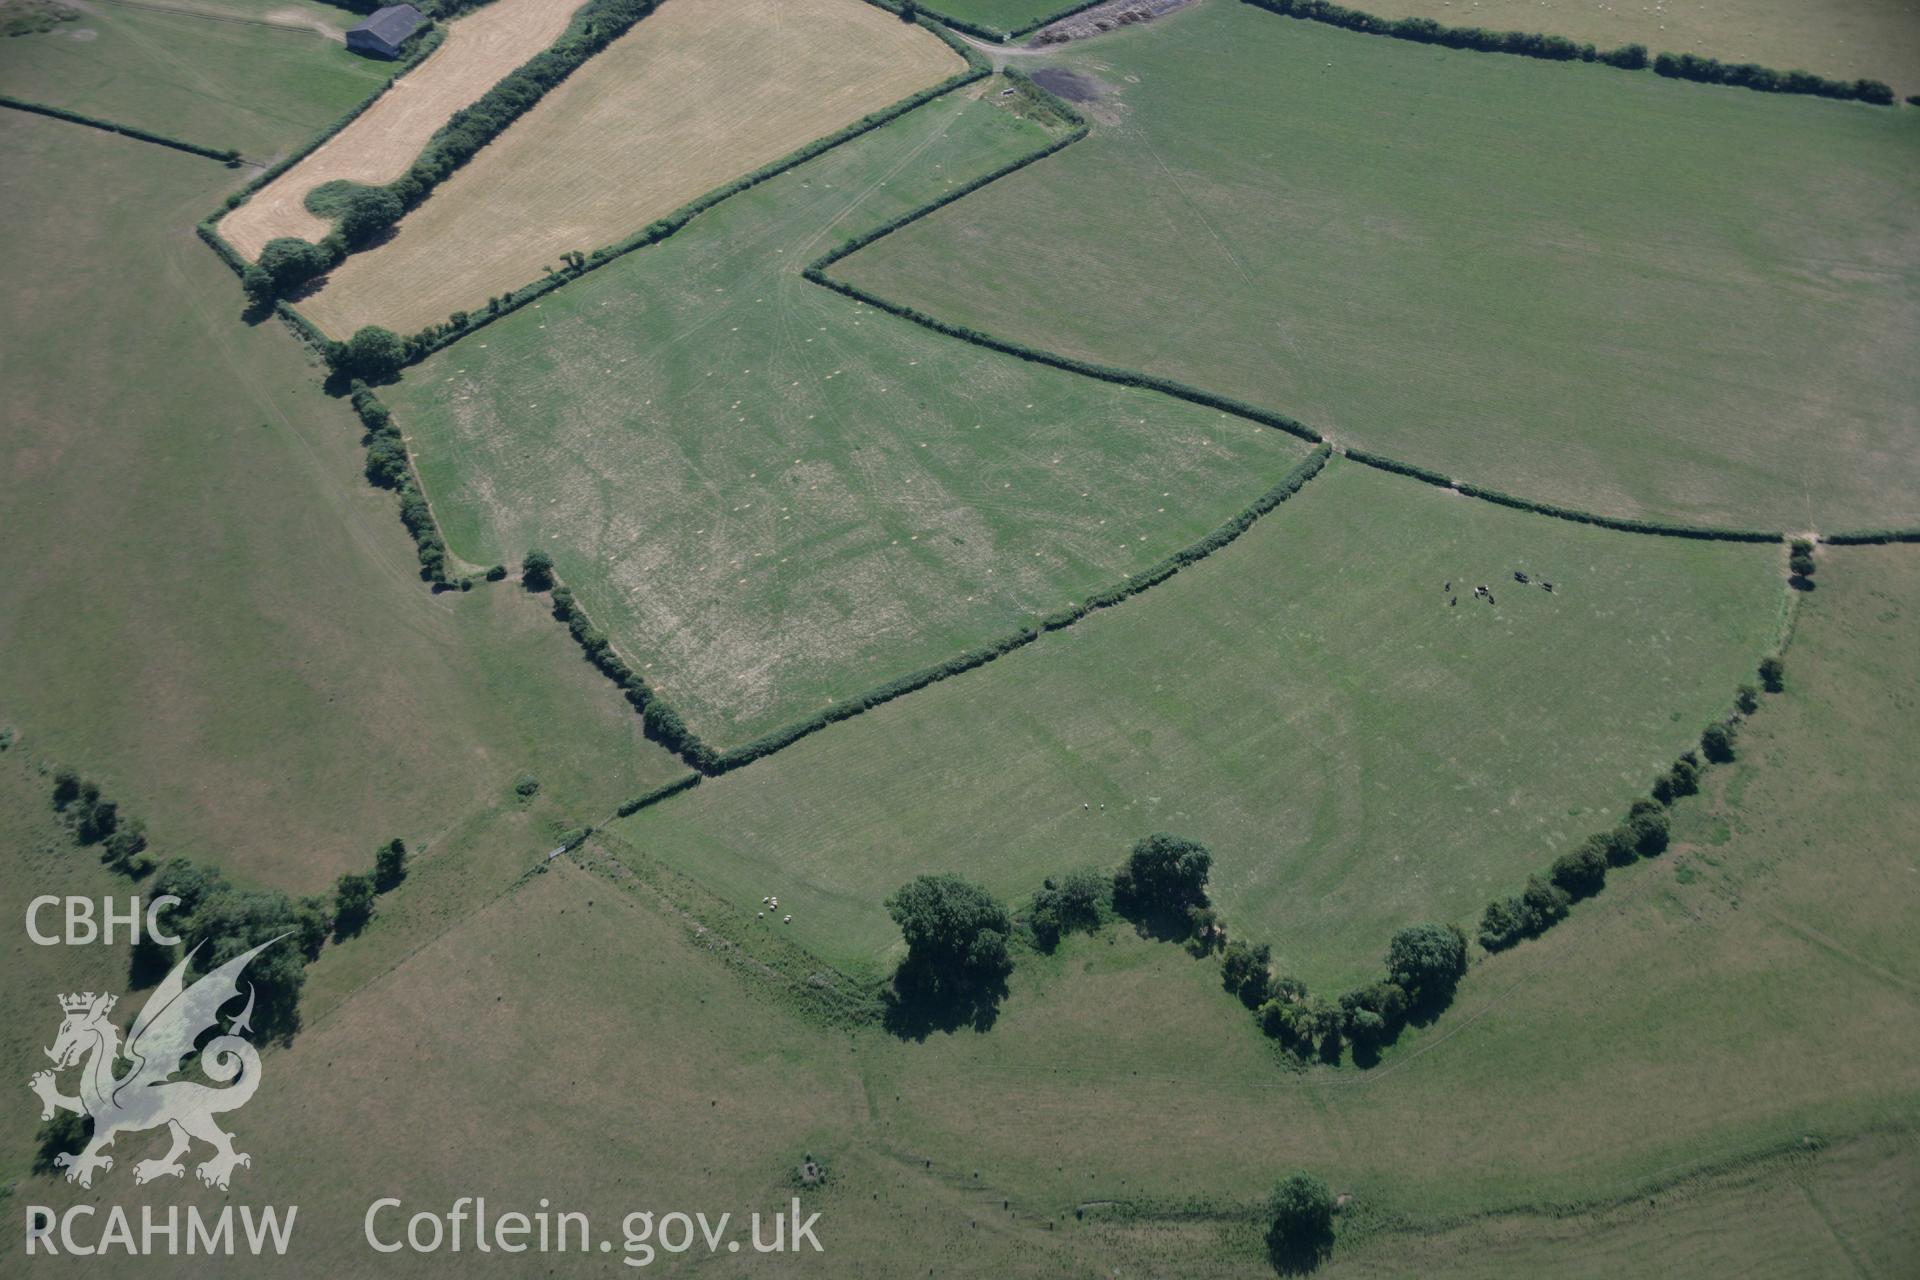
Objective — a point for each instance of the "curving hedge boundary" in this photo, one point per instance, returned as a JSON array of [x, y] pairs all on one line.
[[1662, 528], [665, 726], [1628, 57], [816, 271], [228, 157]]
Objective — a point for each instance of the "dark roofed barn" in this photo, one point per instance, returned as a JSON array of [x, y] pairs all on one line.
[[385, 30]]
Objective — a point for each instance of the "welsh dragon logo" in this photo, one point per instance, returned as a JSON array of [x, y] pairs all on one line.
[[174, 1017]]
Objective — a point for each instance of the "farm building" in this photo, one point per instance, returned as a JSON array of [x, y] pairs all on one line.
[[385, 30]]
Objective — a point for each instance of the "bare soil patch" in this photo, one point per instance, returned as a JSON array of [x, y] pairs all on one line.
[[1071, 85], [695, 94], [377, 148]]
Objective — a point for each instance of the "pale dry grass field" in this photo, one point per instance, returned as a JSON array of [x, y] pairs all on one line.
[[1879, 39], [697, 93], [377, 148]]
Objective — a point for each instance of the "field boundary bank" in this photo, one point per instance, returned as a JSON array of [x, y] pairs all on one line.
[[1547, 48], [816, 271], [228, 156], [1775, 1157], [1870, 537], [788, 971]]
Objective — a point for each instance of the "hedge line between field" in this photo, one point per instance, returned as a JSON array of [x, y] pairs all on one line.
[[1629, 57], [648, 799], [1644, 833], [389, 467], [1866, 537], [434, 338], [229, 156], [1662, 528]]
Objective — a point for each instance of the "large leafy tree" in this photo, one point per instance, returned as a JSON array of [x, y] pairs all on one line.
[[1165, 874], [1427, 960], [955, 931], [1300, 1229]]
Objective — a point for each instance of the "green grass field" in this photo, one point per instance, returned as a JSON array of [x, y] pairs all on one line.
[[1752, 989], [1358, 754], [769, 496], [1638, 1086], [261, 89], [1656, 298], [209, 608], [772, 496]]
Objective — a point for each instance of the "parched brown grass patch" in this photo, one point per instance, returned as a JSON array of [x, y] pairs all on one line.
[[696, 94], [378, 147]]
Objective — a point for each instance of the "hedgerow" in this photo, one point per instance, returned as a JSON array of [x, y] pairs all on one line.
[[1398, 467], [661, 722], [1527, 44], [427, 42], [389, 467], [655, 796], [1866, 537], [1748, 75], [228, 156], [816, 271], [1664, 528], [1629, 57], [665, 726], [1643, 833], [981, 655]]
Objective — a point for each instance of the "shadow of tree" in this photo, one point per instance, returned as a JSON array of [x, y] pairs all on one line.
[[920, 1002]]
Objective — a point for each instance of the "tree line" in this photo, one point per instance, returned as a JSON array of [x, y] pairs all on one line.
[[388, 466], [227, 156], [1628, 57], [219, 918], [1644, 832]]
